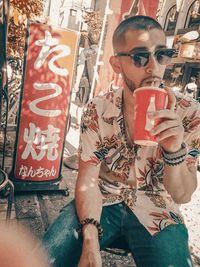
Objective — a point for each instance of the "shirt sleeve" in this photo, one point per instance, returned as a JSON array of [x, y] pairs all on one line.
[[90, 142]]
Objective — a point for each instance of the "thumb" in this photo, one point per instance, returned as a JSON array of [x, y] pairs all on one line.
[[171, 99]]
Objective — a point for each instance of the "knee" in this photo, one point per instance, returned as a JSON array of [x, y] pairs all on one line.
[[171, 246]]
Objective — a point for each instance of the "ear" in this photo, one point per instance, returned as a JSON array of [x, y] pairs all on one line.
[[114, 62]]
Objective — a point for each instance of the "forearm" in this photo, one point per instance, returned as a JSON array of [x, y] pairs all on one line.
[[88, 200], [180, 182], [88, 206]]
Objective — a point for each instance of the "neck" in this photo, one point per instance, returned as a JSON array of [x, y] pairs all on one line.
[[128, 103], [128, 111]]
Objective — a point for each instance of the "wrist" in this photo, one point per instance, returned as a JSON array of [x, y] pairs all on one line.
[[91, 244], [171, 150], [90, 237], [174, 158], [90, 228], [90, 232]]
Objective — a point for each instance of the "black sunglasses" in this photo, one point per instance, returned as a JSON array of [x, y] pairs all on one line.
[[141, 58]]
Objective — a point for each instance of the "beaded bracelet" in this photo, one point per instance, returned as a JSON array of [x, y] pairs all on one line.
[[90, 221], [176, 158]]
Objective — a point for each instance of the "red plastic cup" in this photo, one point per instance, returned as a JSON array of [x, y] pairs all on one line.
[[147, 99]]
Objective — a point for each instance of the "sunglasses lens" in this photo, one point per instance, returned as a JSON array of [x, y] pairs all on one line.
[[140, 59], [164, 56]]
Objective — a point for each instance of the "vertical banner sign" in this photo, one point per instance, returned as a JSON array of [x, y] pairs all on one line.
[[148, 8], [44, 102]]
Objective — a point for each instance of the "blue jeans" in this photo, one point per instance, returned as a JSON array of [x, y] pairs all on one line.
[[169, 248]]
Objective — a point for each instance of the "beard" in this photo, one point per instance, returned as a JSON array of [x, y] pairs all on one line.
[[130, 84]]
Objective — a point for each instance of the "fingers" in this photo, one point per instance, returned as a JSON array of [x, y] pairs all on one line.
[[164, 114], [169, 125], [166, 125], [175, 131], [171, 99]]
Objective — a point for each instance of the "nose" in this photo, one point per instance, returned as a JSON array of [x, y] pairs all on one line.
[[152, 65]]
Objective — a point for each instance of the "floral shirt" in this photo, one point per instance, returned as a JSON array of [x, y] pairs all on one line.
[[132, 173]]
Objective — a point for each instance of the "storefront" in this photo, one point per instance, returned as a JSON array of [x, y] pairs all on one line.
[[187, 63]]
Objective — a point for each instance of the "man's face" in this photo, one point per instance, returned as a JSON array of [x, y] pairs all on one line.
[[134, 75]]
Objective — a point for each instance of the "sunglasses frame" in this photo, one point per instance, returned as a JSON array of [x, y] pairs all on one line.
[[155, 53]]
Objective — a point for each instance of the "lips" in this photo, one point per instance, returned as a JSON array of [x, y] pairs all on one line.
[[151, 82]]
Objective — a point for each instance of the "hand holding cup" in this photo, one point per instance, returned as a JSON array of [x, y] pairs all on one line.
[[147, 100]]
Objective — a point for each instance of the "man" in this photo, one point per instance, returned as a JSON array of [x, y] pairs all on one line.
[[191, 88], [131, 191], [85, 67]]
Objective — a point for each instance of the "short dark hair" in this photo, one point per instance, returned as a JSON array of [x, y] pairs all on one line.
[[134, 23]]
